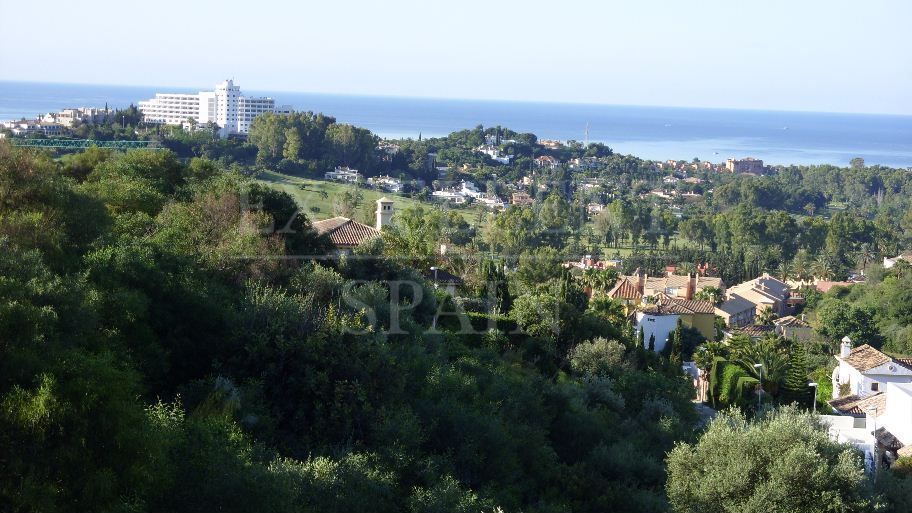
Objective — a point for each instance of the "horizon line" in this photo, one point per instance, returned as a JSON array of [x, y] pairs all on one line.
[[481, 100]]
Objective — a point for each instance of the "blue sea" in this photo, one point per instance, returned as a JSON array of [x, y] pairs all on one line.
[[657, 133]]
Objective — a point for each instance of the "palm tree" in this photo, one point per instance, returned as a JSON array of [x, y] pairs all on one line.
[[711, 294], [800, 270], [822, 269], [785, 271], [866, 254], [766, 317], [769, 354]]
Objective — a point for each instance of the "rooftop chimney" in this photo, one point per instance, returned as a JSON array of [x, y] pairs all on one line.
[[845, 348]]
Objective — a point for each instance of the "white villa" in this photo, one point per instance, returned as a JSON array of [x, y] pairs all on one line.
[[494, 153], [866, 371], [387, 183], [890, 262], [454, 197], [343, 174], [872, 396]]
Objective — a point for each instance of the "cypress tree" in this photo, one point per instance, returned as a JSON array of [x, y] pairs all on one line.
[[641, 341], [652, 342], [677, 345]]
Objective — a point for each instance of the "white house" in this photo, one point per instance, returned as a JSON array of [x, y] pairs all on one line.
[[890, 262], [659, 324], [897, 418], [470, 190], [454, 197], [387, 183], [343, 174], [865, 371]]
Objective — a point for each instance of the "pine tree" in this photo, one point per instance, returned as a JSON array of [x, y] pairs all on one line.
[[795, 386], [652, 342]]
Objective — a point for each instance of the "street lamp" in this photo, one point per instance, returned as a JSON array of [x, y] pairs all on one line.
[[435, 276], [814, 407], [759, 367]]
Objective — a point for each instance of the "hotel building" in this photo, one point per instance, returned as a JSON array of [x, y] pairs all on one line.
[[226, 107]]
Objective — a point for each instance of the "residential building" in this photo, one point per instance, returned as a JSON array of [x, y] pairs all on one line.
[[343, 174], [521, 198], [469, 189], [890, 262], [658, 323], [494, 153], [863, 371], [225, 106], [344, 233], [737, 312], [765, 292], [594, 208], [347, 234], [679, 286], [455, 197], [547, 161], [793, 328], [661, 318], [746, 165], [386, 183]]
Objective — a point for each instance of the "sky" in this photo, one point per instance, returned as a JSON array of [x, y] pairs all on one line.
[[811, 55]]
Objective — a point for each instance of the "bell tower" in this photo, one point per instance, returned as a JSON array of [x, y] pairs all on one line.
[[384, 212]]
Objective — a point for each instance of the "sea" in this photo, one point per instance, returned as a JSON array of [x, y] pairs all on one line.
[[656, 133]]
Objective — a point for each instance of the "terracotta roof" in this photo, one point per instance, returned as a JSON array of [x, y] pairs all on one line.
[[343, 232], [865, 357], [825, 286], [757, 330], [690, 306], [736, 304], [709, 281], [886, 439], [855, 405], [676, 281], [790, 321], [625, 289]]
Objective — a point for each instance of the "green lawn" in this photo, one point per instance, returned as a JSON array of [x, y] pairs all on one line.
[[316, 197]]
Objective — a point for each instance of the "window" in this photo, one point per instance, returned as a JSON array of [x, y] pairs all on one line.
[[875, 387]]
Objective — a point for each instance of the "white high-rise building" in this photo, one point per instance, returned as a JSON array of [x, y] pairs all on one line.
[[226, 107]]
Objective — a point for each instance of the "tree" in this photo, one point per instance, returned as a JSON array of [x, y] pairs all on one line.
[[652, 342], [712, 294], [677, 343], [795, 387], [836, 318], [641, 338], [792, 463], [766, 317]]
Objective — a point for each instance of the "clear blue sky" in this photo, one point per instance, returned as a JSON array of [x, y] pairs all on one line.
[[822, 55]]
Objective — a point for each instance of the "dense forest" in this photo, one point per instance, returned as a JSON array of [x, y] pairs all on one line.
[[161, 352]]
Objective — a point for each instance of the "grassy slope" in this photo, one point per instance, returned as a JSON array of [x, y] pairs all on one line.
[[309, 195]]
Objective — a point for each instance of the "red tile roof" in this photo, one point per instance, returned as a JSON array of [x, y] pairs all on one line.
[[865, 357], [855, 405], [625, 289], [345, 233]]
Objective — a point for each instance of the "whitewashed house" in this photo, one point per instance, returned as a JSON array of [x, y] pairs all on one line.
[[864, 371], [343, 174]]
